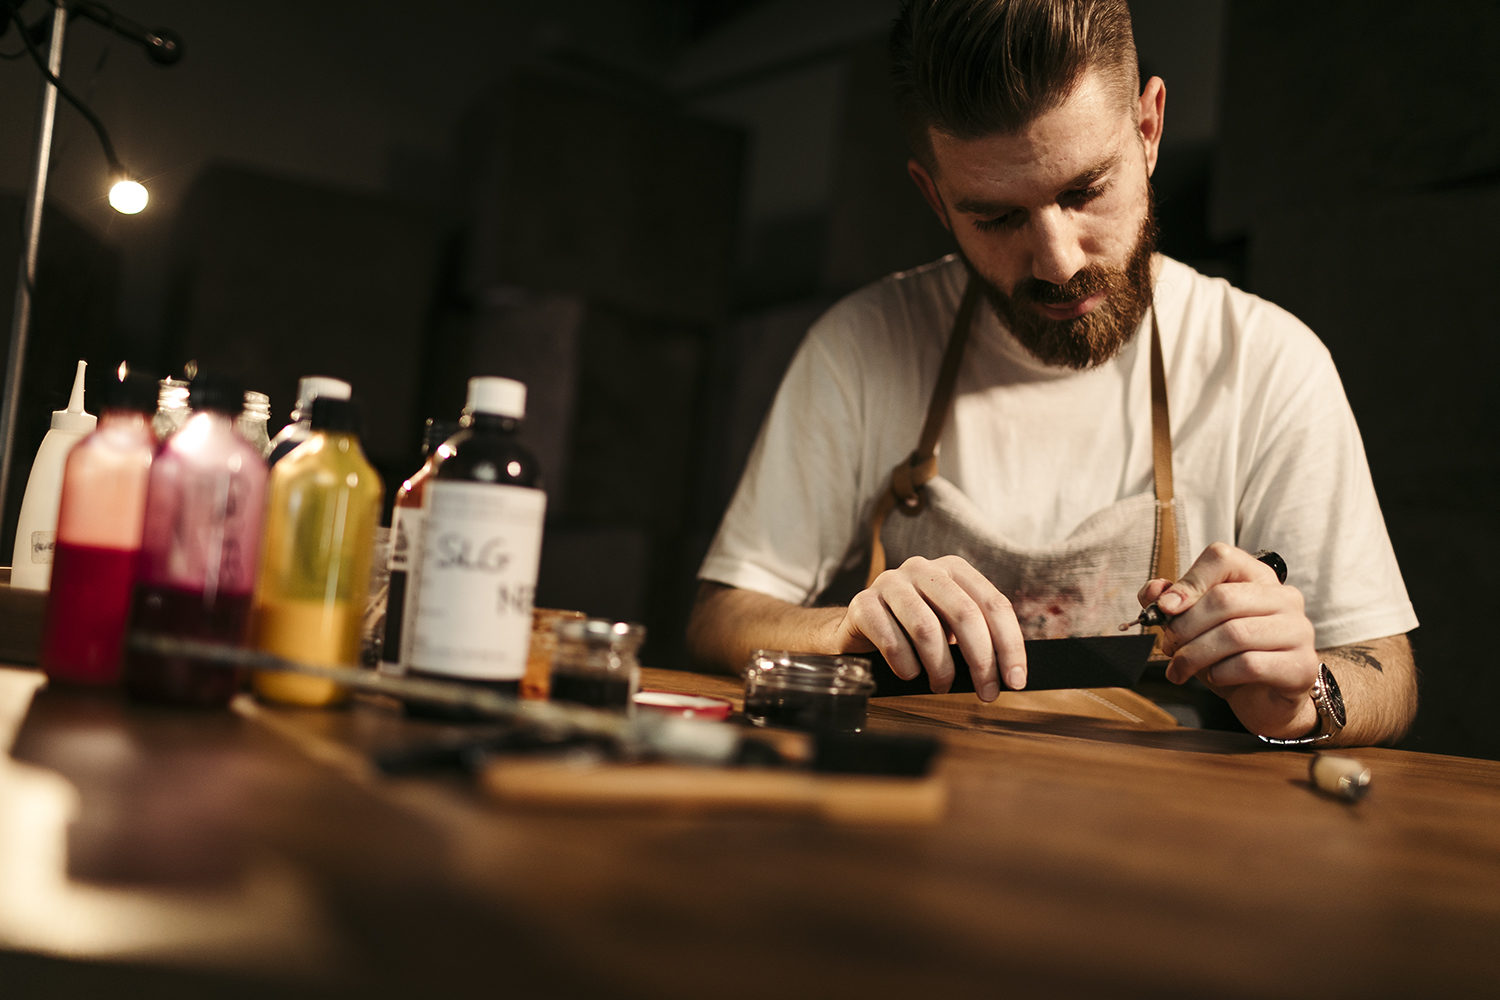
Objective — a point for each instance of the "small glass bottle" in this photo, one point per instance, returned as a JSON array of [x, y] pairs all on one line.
[[481, 547], [323, 508], [544, 622], [596, 663], [171, 407], [204, 503], [406, 539], [251, 423], [309, 388], [99, 522]]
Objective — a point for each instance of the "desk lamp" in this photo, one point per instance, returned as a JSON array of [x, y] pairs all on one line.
[[126, 195]]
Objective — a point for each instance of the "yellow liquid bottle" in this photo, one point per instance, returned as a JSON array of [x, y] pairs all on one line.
[[323, 507]]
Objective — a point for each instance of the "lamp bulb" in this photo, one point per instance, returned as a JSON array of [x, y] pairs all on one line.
[[128, 197]]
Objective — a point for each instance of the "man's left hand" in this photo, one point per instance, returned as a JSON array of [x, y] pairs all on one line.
[[1245, 635]]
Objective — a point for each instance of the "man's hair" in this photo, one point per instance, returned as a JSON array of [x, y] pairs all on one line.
[[971, 68]]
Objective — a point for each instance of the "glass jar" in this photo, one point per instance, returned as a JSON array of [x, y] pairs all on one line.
[[251, 423], [171, 407], [807, 691], [543, 648], [596, 663]]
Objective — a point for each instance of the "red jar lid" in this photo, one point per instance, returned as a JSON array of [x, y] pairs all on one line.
[[691, 705]]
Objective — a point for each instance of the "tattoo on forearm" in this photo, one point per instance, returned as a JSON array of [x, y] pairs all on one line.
[[1362, 655]]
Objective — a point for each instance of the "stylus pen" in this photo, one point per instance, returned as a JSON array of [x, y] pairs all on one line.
[[1152, 616]]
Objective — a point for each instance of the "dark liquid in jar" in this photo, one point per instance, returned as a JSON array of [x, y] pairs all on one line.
[[184, 680], [815, 711], [595, 691]]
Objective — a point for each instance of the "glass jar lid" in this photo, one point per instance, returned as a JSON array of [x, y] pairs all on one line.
[[787, 670], [600, 632]]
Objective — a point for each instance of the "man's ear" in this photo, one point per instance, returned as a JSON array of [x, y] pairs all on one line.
[[1153, 114], [923, 180]]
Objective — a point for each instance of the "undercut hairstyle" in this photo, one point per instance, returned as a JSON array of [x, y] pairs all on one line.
[[972, 68]]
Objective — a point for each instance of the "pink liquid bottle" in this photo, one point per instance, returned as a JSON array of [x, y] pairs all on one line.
[[99, 522], [199, 547]]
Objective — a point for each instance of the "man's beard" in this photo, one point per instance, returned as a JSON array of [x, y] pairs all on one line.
[[1095, 337]]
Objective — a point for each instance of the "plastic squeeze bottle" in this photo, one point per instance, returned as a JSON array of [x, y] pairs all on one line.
[[406, 540], [309, 388], [36, 526], [323, 509], [204, 503], [99, 522], [481, 547]]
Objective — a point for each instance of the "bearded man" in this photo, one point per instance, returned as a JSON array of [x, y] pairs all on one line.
[[1105, 408]]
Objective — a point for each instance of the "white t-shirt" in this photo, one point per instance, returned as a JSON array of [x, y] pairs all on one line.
[[1266, 453]]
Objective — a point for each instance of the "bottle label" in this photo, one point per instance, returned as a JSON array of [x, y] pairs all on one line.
[[406, 529], [43, 545], [475, 576], [406, 540]]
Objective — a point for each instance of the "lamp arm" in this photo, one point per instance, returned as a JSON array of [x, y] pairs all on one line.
[[162, 44], [70, 97]]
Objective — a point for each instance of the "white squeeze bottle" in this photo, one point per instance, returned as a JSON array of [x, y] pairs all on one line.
[[36, 528]]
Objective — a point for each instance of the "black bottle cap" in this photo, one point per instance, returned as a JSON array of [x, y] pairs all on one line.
[[135, 391], [219, 393], [340, 416]]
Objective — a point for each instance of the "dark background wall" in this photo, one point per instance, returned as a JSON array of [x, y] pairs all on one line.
[[638, 207]]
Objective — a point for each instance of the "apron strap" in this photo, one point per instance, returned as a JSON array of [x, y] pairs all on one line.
[[1161, 461], [909, 476]]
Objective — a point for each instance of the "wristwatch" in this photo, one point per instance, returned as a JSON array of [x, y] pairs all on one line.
[[1330, 705]]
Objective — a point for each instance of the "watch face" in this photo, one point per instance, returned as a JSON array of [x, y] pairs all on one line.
[[1331, 691]]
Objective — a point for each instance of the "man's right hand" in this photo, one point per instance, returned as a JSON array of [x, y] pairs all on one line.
[[912, 613]]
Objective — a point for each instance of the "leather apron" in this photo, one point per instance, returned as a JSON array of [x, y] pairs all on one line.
[[1084, 585]]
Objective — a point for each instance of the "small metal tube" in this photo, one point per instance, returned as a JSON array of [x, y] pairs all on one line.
[[1342, 777]]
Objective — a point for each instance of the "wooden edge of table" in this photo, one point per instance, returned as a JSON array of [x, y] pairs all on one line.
[[675, 788]]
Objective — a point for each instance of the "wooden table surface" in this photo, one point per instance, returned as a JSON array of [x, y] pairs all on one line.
[[1083, 845]]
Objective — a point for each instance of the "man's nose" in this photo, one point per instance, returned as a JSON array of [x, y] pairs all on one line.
[[1056, 249]]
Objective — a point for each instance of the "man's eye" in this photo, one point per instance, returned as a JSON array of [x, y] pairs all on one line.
[[1010, 220], [1080, 196]]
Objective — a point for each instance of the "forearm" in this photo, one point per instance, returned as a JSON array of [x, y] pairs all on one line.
[[1378, 681], [728, 624]]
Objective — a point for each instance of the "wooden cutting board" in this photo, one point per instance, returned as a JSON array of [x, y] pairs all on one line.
[[683, 788]]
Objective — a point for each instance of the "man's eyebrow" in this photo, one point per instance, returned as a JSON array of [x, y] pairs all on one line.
[[1089, 177]]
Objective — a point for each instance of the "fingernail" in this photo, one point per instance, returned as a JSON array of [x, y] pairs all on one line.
[[1170, 602], [989, 691], [1015, 678]]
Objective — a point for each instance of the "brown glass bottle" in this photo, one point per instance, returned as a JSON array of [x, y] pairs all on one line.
[[475, 574], [406, 540]]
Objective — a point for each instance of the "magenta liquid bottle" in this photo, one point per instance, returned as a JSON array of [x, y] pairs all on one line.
[[201, 540], [99, 520]]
